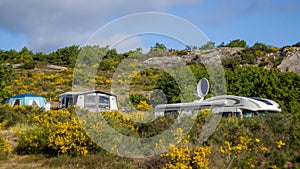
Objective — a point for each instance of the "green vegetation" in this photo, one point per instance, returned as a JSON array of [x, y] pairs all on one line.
[[247, 142], [237, 43], [56, 139], [5, 77]]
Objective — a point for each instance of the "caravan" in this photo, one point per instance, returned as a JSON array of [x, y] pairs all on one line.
[[94, 101]]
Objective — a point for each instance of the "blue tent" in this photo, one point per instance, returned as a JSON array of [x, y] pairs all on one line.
[[29, 100]]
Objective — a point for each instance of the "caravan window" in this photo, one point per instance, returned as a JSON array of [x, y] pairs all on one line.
[[248, 113], [69, 101], [90, 101], [103, 102]]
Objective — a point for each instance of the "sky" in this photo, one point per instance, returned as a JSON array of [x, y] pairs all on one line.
[[45, 26]]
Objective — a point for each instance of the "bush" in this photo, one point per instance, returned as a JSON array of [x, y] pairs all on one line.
[[297, 44], [28, 65], [237, 43], [137, 98], [5, 149], [17, 114], [55, 132]]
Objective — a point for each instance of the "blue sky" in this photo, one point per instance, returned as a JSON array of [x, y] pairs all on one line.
[[51, 24]]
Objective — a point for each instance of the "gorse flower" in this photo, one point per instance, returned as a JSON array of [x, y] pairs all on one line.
[[280, 144]]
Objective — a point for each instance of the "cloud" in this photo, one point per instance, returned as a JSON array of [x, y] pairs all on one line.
[[50, 24]]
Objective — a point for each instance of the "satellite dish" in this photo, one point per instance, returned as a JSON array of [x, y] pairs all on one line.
[[202, 88]]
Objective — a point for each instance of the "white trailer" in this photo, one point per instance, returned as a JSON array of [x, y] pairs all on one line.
[[94, 101]]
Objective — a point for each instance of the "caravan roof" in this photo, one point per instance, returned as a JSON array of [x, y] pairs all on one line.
[[87, 92]]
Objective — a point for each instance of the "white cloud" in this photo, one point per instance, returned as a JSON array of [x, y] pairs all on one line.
[[50, 24]]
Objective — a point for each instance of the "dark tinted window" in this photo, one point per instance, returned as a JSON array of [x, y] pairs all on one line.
[[248, 113], [262, 100]]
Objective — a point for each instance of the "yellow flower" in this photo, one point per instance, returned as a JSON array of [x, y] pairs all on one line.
[[257, 140], [280, 144], [222, 150], [263, 148]]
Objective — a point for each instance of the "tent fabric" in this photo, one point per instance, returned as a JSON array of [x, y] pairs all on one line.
[[25, 95], [30, 100]]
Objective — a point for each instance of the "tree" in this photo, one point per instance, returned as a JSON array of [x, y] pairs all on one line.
[[158, 50], [237, 44], [65, 56], [208, 45], [159, 46]]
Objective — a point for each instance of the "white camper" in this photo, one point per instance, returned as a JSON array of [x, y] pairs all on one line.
[[94, 101], [225, 105]]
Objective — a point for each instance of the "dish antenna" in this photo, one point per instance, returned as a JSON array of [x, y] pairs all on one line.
[[202, 88]]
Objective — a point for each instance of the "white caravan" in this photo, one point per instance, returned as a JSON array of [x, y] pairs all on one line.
[[225, 105], [94, 101]]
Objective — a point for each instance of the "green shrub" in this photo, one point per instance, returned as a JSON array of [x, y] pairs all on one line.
[[55, 132], [28, 65], [137, 98], [5, 149], [17, 114], [237, 43]]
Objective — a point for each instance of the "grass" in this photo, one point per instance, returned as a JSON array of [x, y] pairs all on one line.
[[87, 162], [62, 162]]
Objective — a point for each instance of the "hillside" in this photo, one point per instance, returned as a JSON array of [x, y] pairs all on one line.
[[286, 59], [32, 138], [52, 74]]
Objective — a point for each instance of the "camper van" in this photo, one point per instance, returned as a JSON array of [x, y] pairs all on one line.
[[224, 105], [94, 101]]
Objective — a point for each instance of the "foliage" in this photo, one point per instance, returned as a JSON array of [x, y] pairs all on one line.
[[65, 56], [158, 50], [272, 84], [180, 85], [296, 44], [231, 63], [253, 143], [143, 105], [246, 81], [17, 114], [237, 43], [55, 132], [183, 156], [49, 84], [247, 142], [5, 77], [158, 46], [5, 149], [236, 143], [208, 45], [136, 99]]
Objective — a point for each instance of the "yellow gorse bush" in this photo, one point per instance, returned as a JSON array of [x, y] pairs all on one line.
[[200, 156], [5, 149], [56, 132], [143, 105], [184, 156]]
